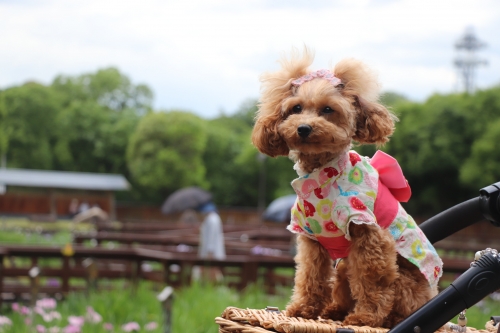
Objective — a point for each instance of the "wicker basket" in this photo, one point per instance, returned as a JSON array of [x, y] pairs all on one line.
[[235, 320]]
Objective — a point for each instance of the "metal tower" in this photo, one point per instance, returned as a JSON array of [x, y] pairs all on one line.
[[466, 62]]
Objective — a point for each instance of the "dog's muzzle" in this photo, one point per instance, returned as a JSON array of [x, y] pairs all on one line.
[[304, 130]]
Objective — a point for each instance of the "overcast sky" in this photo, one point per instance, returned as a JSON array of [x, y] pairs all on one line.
[[206, 56]]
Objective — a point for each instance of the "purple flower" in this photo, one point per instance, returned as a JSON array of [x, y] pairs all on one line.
[[108, 326], [46, 303], [151, 326], [76, 321], [132, 326], [53, 282]]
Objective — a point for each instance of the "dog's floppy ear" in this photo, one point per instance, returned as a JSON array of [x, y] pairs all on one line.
[[374, 122], [266, 138], [276, 87]]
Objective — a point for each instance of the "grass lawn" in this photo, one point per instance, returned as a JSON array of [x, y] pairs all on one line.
[[194, 309]]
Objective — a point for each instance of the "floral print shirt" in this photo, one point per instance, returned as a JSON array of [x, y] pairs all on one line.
[[346, 190]]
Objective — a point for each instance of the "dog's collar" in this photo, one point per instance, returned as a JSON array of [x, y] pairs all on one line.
[[322, 73]]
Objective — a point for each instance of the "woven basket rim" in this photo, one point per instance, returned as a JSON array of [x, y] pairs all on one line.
[[237, 320]]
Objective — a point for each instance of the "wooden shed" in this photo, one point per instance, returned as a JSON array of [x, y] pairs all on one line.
[[31, 192]]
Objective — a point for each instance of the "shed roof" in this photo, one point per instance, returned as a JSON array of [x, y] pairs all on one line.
[[63, 179]]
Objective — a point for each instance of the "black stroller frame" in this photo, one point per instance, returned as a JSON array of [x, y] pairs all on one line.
[[477, 282]]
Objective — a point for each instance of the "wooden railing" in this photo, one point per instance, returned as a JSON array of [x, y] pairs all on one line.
[[167, 253], [91, 264]]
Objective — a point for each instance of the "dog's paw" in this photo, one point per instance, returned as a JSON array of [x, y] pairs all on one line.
[[366, 319], [333, 312], [304, 311]]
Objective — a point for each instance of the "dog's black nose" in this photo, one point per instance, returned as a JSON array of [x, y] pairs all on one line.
[[304, 130]]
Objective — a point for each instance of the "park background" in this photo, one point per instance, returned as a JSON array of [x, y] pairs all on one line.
[[165, 94]]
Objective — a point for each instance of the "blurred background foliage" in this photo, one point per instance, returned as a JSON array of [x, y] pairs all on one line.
[[102, 122]]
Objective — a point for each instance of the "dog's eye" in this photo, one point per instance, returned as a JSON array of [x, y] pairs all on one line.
[[297, 109], [327, 109]]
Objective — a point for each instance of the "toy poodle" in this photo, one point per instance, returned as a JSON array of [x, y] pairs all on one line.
[[360, 257]]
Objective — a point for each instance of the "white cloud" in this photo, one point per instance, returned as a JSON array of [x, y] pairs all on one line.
[[206, 55]]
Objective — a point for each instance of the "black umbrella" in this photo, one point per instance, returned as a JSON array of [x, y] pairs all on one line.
[[279, 209], [186, 198]]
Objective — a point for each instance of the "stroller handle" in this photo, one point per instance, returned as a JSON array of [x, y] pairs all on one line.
[[477, 282], [485, 206]]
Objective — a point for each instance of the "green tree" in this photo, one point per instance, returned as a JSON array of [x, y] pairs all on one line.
[[92, 138], [443, 147], [100, 111], [246, 112], [165, 152], [30, 113], [392, 99], [250, 166], [109, 87], [223, 147], [4, 138]]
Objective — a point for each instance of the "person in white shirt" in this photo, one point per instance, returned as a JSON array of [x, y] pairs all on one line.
[[211, 243], [211, 235]]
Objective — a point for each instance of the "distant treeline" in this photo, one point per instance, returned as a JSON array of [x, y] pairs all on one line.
[[102, 122]]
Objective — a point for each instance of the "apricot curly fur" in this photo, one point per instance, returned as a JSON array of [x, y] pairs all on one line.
[[374, 285]]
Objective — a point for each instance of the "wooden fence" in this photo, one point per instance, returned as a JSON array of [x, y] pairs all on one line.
[[91, 264], [167, 253]]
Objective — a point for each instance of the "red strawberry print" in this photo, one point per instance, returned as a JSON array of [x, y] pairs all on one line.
[[330, 226], [309, 208], [318, 191], [356, 203], [330, 172], [437, 269], [354, 158]]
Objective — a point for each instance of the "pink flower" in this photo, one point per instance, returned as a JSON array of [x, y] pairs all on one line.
[[25, 310], [72, 329], [28, 321], [76, 321], [151, 326], [5, 321], [55, 315], [39, 310], [48, 317], [108, 326], [40, 329], [15, 307], [46, 303], [132, 326], [54, 329], [92, 316]]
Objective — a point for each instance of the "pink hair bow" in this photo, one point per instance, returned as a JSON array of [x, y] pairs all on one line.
[[322, 73], [391, 175]]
